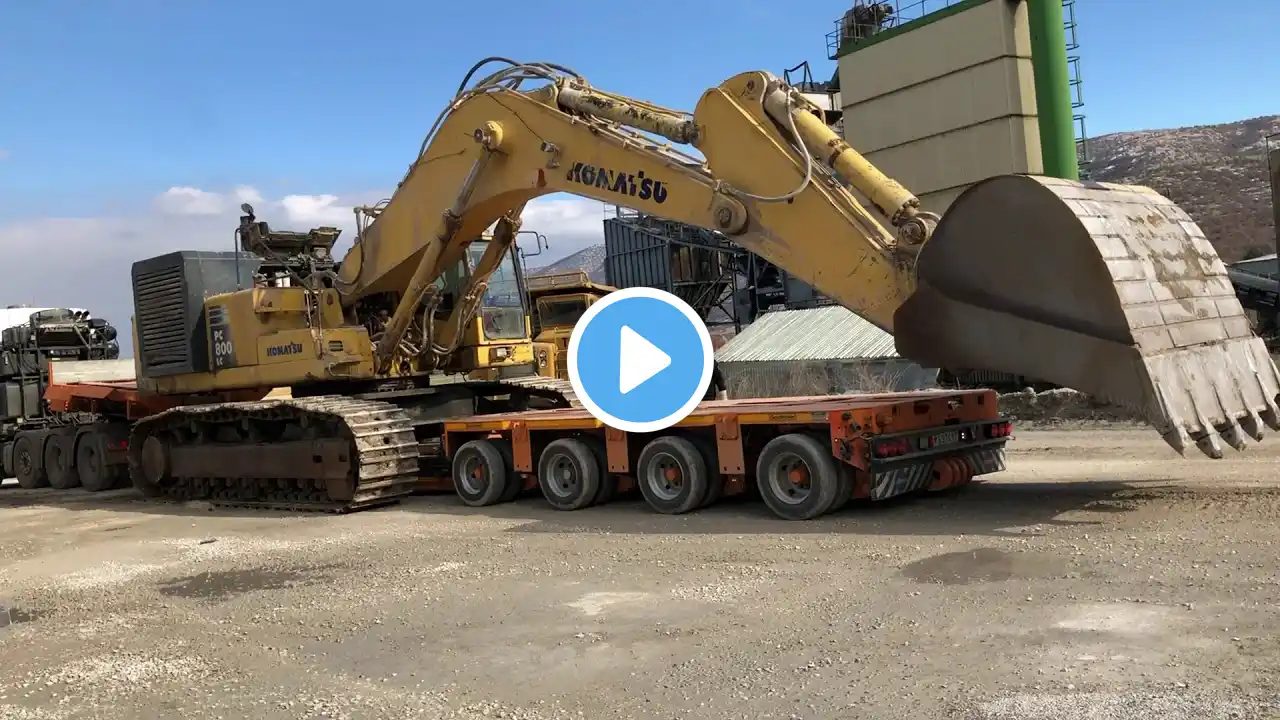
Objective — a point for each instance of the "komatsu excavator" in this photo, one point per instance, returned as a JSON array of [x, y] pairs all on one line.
[[1108, 289]]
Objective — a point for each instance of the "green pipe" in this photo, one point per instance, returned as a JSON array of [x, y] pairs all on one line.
[[1053, 89]]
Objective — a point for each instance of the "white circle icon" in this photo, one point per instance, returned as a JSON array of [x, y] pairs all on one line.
[[640, 360]]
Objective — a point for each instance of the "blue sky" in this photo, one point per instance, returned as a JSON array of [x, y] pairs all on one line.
[[117, 99], [109, 103]]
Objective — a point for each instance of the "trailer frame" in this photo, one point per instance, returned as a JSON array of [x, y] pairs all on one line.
[[881, 446]]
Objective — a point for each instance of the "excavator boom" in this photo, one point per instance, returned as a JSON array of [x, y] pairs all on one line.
[[1110, 290]]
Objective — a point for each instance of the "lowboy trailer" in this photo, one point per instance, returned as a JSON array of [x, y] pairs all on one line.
[[803, 456]]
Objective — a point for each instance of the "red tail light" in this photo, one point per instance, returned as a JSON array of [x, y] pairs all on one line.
[[893, 448], [1000, 429]]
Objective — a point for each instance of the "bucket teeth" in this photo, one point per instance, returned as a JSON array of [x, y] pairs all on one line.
[[1231, 432], [1217, 393], [1252, 425]]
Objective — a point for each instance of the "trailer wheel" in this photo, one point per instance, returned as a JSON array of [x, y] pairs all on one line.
[[715, 482], [59, 462], [797, 477], [481, 475], [569, 474], [608, 481], [515, 484], [844, 492], [95, 474], [672, 475], [27, 467]]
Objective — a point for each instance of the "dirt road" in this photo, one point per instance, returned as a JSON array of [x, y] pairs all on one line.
[[1101, 577]]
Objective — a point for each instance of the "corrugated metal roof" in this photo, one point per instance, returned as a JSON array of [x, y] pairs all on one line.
[[825, 333]]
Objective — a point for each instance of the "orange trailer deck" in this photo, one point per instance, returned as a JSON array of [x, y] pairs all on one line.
[[803, 456], [855, 446]]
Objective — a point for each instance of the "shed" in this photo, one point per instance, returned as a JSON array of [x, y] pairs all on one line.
[[1266, 266], [816, 351]]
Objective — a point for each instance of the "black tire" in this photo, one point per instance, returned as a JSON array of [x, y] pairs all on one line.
[[28, 465], [515, 483], [95, 474], [844, 492], [608, 481], [59, 462], [672, 475], [797, 453], [481, 476], [569, 474], [715, 481]]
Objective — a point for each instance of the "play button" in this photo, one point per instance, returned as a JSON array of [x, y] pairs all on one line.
[[640, 360]]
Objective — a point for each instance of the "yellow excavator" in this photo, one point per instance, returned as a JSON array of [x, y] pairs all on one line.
[[1111, 290]]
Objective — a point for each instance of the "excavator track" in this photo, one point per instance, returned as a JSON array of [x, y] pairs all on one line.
[[330, 454], [545, 387]]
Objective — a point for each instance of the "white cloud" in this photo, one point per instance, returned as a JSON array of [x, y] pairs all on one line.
[[315, 210], [569, 224], [86, 262], [190, 201]]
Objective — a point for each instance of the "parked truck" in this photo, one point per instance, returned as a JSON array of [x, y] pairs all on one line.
[[558, 300], [32, 342]]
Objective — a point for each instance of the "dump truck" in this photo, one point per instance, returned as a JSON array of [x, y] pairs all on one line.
[[559, 300]]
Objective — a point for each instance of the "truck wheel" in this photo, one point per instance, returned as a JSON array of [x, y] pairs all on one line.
[[59, 462], [27, 467], [797, 477], [481, 476], [672, 475], [569, 474], [715, 481], [844, 492], [515, 484], [608, 481], [95, 474]]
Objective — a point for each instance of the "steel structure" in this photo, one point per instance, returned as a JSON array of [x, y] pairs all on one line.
[[699, 266]]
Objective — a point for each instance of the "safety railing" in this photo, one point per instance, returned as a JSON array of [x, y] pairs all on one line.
[[865, 19], [1075, 81]]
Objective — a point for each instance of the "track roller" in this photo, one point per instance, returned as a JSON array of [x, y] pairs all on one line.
[[324, 453], [672, 474], [797, 476]]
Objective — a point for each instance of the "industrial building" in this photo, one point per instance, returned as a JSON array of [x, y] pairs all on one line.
[[817, 351], [938, 94]]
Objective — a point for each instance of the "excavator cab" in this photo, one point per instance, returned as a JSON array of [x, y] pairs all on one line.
[[496, 343]]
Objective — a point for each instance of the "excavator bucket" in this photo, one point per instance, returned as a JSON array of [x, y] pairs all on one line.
[[1111, 290]]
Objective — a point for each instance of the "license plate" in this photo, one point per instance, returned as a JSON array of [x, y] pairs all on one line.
[[949, 437]]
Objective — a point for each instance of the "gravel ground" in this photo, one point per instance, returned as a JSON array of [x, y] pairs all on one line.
[[1100, 577]]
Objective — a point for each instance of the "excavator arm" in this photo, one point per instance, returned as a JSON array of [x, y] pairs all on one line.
[[1106, 289]]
